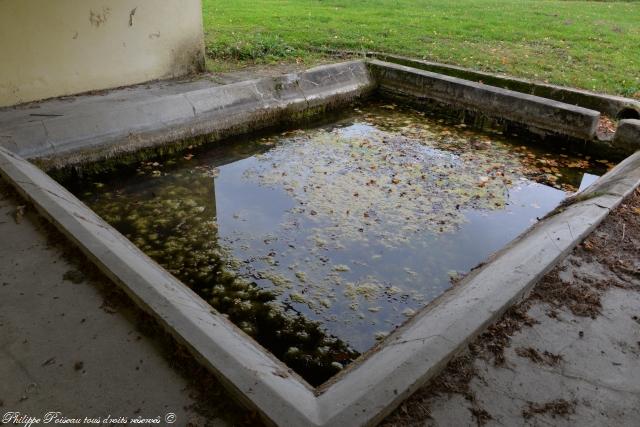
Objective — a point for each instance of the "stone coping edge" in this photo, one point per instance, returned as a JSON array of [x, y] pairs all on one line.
[[243, 107], [218, 111], [611, 105], [528, 110]]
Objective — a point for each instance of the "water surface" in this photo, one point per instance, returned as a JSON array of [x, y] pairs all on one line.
[[318, 242]]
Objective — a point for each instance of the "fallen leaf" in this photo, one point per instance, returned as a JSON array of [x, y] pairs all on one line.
[[281, 373], [19, 213]]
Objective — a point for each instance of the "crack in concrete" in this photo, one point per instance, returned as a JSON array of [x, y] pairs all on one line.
[[193, 107], [598, 384], [423, 339]]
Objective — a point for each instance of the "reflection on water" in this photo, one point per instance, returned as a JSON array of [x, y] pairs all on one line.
[[319, 242], [586, 181], [361, 249]]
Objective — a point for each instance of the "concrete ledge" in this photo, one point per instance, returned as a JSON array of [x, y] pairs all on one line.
[[218, 112], [126, 126], [627, 136], [611, 105], [619, 182], [527, 110], [607, 104], [368, 390]]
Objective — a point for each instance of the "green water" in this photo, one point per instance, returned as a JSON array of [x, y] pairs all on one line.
[[319, 242]]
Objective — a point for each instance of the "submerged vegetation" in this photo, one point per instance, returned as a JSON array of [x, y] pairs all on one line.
[[319, 242], [176, 228]]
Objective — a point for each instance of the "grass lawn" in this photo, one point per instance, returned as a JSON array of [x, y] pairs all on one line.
[[592, 45]]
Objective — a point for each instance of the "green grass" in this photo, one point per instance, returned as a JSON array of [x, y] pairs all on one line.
[[592, 45]]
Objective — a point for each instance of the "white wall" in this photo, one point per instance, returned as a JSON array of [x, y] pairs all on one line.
[[60, 47]]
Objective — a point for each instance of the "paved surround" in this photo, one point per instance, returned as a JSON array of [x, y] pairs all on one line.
[[61, 341], [95, 131], [372, 387]]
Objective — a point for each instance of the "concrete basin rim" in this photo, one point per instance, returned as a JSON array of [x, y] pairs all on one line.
[[350, 398], [321, 408]]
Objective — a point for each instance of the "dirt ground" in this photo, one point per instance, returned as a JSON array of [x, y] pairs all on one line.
[[567, 355]]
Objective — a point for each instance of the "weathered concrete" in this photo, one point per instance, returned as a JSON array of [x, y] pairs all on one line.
[[84, 129], [107, 129], [69, 347], [627, 136], [530, 111], [611, 105], [103, 101], [618, 183]]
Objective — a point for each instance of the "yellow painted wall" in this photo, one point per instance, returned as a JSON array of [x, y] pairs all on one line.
[[60, 47]]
